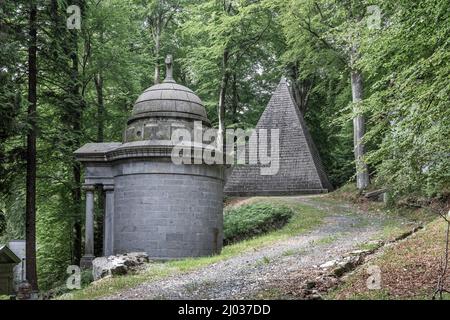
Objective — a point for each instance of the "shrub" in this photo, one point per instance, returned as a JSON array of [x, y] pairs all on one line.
[[254, 219]]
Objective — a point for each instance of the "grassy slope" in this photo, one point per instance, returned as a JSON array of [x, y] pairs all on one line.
[[414, 259], [409, 270], [305, 218]]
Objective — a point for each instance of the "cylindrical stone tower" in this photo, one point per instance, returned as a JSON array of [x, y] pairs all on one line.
[[153, 203], [165, 209]]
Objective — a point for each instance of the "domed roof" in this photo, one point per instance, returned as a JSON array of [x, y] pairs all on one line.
[[169, 99]]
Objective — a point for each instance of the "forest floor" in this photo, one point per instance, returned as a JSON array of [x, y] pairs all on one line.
[[277, 265], [409, 269]]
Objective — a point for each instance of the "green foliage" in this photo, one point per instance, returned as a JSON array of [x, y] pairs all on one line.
[[54, 238], [318, 66], [408, 62], [247, 29], [405, 66], [254, 219], [13, 205], [2, 223]]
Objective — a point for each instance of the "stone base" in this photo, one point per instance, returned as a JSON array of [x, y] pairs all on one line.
[[86, 261], [168, 211], [242, 192]]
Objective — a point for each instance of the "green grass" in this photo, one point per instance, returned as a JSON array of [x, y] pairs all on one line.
[[254, 219], [304, 218], [368, 246], [263, 261], [289, 253], [391, 231], [327, 240]]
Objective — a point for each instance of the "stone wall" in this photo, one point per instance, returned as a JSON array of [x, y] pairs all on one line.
[[167, 210]]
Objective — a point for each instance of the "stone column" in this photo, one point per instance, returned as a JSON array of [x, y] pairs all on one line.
[[86, 260], [108, 237]]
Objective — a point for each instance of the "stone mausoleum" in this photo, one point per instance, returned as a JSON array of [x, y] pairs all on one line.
[[300, 167], [153, 205]]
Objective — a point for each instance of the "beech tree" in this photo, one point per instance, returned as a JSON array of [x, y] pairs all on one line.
[[336, 28]]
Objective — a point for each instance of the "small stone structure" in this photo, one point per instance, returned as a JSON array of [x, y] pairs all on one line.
[[18, 247], [8, 260], [300, 168], [152, 204]]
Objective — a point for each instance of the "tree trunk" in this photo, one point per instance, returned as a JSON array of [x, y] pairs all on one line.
[[157, 38], [99, 230], [222, 95], [75, 111], [30, 208], [76, 199], [98, 79], [235, 104], [362, 174], [301, 89]]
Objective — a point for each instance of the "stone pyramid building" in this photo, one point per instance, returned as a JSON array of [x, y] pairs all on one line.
[[300, 168]]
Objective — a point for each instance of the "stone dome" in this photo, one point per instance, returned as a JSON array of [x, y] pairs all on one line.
[[162, 108], [169, 99]]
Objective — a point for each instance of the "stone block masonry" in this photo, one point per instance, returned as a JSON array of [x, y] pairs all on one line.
[[300, 169], [168, 214], [152, 204]]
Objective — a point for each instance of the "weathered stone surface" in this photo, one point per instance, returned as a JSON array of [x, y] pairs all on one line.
[[347, 264], [329, 264], [134, 259], [362, 252], [117, 265], [377, 195], [300, 168], [166, 210], [154, 205]]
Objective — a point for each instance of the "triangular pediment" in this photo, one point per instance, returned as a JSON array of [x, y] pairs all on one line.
[[7, 256]]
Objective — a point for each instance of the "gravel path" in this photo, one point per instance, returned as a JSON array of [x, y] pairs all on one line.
[[244, 275]]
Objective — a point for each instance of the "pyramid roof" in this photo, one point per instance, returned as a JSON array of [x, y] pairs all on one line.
[[300, 168]]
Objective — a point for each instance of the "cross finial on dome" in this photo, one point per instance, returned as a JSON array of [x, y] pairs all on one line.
[[169, 68]]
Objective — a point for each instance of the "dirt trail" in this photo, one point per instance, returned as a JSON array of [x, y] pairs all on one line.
[[245, 275]]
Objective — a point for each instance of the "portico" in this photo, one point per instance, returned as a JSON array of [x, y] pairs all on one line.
[[97, 177]]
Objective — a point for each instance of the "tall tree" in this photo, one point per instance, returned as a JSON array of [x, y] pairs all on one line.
[[159, 13], [223, 49], [301, 86], [407, 61], [30, 231], [336, 28]]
